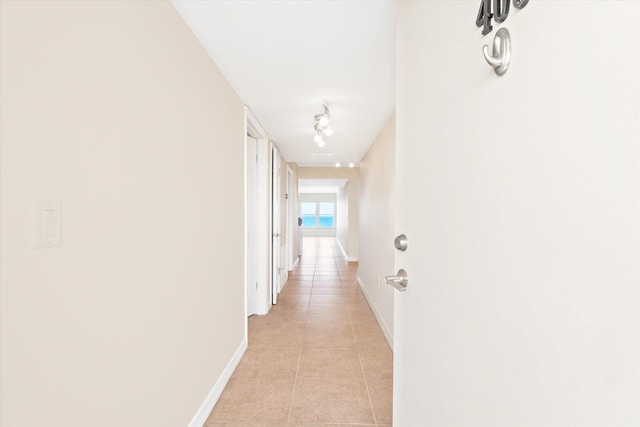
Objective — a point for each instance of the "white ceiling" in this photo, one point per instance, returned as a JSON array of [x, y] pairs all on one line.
[[284, 58]]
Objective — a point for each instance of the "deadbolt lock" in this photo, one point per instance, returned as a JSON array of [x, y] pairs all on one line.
[[401, 242]]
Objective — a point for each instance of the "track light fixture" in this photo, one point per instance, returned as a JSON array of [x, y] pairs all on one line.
[[324, 120], [321, 126]]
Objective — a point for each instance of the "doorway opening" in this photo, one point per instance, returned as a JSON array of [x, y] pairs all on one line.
[[323, 207]]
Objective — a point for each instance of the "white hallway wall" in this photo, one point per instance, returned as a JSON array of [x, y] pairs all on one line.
[[114, 108], [342, 216], [377, 207]]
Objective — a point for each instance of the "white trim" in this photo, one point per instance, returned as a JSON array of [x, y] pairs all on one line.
[[210, 401], [283, 270], [275, 250], [387, 334], [264, 226], [290, 216], [253, 127], [318, 232], [353, 259], [245, 251]]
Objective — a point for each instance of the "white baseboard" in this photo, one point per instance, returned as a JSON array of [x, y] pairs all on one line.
[[342, 249], [345, 253], [295, 263], [387, 334], [205, 409]]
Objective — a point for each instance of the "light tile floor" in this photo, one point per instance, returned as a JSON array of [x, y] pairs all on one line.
[[318, 358]]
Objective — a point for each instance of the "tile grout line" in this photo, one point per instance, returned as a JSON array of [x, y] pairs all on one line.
[[364, 373], [295, 381], [359, 352], [323, 272]]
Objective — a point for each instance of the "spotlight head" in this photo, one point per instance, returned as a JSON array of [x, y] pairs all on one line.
[[351, 165], [328, 131], [321, 143], [324, 120], [338, 164]]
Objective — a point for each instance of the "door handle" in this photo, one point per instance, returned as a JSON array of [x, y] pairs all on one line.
[[399, 281], [276, 234]]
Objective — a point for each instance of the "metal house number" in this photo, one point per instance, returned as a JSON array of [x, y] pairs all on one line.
[[500, 12]]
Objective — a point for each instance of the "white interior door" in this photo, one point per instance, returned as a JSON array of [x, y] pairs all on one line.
[[520, 198], [275, 225], [252, 226], [290, 220]]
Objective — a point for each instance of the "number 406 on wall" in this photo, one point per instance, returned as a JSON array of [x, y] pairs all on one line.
[[499, 12]]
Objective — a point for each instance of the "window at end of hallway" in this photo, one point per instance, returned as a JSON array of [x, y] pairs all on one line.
[[318, 214]]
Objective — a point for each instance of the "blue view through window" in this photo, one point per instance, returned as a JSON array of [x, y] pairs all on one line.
[[308, 220], [327, 221], [318, 214]]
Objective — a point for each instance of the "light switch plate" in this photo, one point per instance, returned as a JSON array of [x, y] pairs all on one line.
[[48, 223]]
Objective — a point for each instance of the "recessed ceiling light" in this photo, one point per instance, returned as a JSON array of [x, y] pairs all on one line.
[[351, 165], [338, 164]]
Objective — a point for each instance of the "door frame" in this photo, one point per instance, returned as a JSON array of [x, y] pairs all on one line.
[[253, 127], [251, 220], [290, 216], [276, 216]]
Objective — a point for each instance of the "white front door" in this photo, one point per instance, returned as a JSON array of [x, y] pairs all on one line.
[[520, 198], [275, 225]]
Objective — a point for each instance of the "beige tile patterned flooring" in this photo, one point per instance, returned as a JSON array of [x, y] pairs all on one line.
[[318, 358]]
